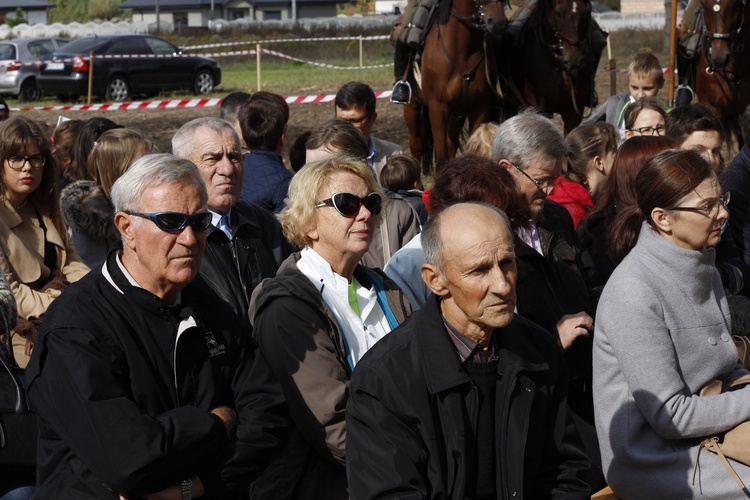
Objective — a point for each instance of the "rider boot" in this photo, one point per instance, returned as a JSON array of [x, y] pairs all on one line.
[[686, 71], [401, 90]]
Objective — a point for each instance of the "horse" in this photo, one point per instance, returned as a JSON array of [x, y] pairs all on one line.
[[722, 81], [453, 86], [552, 68]]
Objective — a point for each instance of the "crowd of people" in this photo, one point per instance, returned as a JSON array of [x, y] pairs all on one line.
[[212, 322]]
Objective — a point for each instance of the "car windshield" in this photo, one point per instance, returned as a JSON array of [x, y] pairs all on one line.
[[82, 45], [7, 51]]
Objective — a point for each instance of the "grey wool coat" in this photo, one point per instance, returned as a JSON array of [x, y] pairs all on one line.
[[663, 331]]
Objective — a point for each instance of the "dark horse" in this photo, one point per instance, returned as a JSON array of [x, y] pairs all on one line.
[[721, 80], [454, 86], [552, 68]]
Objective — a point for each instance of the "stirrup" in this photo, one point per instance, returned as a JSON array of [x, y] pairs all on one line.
[[399, 95], [681, 95]]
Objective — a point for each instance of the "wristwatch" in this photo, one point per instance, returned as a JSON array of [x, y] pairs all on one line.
[[187, 489]]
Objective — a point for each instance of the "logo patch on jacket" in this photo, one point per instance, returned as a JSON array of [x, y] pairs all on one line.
[[214, 349]]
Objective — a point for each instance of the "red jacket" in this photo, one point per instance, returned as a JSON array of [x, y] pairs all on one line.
[[573, 196]]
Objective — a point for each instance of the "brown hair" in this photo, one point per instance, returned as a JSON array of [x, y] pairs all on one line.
[[63, 138], [16, 134], [662, 182], [646, 64], [584, 144], [339, 136], [113, 153], [632, 111], [471, 178], [401, 173]]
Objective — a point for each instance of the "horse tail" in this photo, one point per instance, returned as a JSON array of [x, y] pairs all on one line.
[[428, 144]]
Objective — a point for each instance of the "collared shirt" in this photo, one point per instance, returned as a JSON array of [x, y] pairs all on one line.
[[361, 331], [470, 350], [371, 158], [130, 278], [222, 222], [531, 237]]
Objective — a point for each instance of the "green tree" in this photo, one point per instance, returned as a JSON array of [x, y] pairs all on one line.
[[15, 21], [67, 11], [104, 9]]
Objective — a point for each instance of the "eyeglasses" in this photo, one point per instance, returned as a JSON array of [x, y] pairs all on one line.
[[658, 130], [16, 162], [356, 121], [174, 222], [710, 209], [348, 204], [549, 182]]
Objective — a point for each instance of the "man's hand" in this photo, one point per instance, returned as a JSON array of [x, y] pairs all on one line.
[[229, 417], [174, 492], [572, 326]]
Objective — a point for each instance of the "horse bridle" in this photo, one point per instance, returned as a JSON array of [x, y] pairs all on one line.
[[730, 36], [475, 20], [558, 45]]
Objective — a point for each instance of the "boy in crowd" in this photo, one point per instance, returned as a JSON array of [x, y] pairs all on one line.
[[645, 79]]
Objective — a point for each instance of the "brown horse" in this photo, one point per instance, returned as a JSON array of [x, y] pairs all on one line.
[[722, 81], [552, 67], [454, 85]]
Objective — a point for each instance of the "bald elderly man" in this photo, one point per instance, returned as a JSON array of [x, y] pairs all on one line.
[[465, 399]]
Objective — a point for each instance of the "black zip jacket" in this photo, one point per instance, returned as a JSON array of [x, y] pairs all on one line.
[[123, 385]]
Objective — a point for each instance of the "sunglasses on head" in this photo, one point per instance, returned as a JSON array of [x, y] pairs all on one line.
[[173, 222], [348, 204]]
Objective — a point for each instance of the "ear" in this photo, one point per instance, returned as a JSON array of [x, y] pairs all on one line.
[[433, 278], [374, 116], [126, 228], [312, 233], [506, 165], [662, 219], [599, 164], [628, 134]]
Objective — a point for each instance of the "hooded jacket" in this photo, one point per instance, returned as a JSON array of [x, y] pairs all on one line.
[[301, 338]]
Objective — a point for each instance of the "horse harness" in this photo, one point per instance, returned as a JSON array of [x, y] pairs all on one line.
[[473, 22], [734, 79]]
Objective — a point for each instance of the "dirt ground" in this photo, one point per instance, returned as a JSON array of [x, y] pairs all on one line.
[[161, 124]]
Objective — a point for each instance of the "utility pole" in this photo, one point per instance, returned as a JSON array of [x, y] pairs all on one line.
[[158, 24]]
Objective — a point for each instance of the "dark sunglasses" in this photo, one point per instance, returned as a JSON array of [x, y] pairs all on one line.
[[348, 204], [173, 222]]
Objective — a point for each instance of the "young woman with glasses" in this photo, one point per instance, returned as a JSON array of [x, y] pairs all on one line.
[[663, 330], [36, 254], [318, 317]]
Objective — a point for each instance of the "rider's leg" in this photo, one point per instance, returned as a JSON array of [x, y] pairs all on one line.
[[401, 90]]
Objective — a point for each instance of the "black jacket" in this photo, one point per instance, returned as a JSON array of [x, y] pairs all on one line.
[[412, 413], [234, 268], [123, 400]]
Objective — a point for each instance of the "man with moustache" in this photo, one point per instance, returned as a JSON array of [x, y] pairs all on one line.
[[143, 382], [244, 243], [465, 399]]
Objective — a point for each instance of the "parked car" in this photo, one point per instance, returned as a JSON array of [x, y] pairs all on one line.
[[18, 72], [66, 74]]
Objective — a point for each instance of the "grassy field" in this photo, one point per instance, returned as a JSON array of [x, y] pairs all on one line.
[[295, 78]]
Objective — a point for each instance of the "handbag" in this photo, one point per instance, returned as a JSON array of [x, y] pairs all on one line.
[[734, 443], [18, 427]]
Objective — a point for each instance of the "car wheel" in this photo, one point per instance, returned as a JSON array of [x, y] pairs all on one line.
[[204, 82], [29, 91], [117, 89]]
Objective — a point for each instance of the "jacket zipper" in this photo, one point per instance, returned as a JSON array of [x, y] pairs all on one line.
[[503, 434]]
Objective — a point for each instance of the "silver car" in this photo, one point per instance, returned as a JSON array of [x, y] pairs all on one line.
[[17, 69]]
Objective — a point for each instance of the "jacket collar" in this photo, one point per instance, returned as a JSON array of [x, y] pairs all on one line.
[[442, 365]]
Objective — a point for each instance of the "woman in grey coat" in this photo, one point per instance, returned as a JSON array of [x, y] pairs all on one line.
[[662, 332]]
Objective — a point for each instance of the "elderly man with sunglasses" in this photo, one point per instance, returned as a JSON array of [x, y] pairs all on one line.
[[142, 379], [316, 319]]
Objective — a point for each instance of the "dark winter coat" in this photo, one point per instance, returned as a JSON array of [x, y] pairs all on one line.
[[123, 385], [412, 416]]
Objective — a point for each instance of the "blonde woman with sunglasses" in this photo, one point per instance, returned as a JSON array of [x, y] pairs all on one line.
[[319, 315]]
